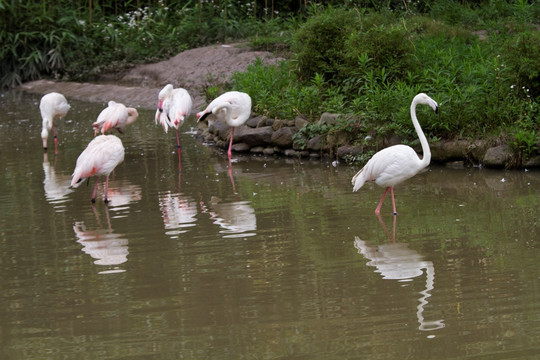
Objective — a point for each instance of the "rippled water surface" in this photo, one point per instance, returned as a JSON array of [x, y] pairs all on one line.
[[274, 259]]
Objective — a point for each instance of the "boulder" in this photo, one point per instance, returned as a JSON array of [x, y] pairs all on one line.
[[240, 147], [300, 122], [329, 119], [498, 156], [345, 150], [316, 143], [283, 137], [254, 136]]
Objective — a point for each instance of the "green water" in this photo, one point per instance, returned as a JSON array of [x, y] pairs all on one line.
[[277, 259]]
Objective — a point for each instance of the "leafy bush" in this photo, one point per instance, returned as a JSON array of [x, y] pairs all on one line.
[[522, 55], [319, 45]]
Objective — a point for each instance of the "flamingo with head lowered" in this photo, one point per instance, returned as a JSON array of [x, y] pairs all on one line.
[[51, 106], [115, 116], [397, 163], [234, 107], [100, 157], [174, 106]]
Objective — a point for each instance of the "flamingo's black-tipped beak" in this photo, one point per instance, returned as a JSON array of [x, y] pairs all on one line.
[[203, 116], [437, 110]]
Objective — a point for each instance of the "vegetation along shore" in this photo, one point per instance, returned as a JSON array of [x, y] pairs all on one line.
[[340, 77]]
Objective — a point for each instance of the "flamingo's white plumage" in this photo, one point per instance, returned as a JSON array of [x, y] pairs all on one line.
[[115, 116], [397, 163], [53, 105], [100, 157], [174, 106], [234, 107]]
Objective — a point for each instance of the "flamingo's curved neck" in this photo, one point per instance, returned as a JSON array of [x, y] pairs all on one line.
[[423, 141], [234, 122]]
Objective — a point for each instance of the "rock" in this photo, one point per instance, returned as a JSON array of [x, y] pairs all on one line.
[[300, 122], [290, 152], [314, 155], [498, 156], [345, 150], [219, 128], [283, 137], [268, 151], [277, 124], [532, 162], [315, 143], [257, 149], [254, 136], [337, 139], [269, 122], [329, 119], [240, 147], [254, 121]]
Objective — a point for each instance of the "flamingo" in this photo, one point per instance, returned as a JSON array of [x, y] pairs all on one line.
[[100, 157], [52, 105], [115, 116], [174, 105], [397, 163], [234, 107]]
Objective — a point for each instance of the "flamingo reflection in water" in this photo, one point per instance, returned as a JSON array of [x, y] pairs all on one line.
[[395, 261], [237, 219], [178, 212], [102, 244], [56, 186]]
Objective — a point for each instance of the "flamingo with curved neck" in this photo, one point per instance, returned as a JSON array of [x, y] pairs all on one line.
[[233, 107], [53, 105], [397, 163]]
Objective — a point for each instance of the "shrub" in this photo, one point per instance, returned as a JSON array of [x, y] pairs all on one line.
[[319, 45]]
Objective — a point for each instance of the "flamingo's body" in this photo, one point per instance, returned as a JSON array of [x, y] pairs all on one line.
[[100, 157], [234, 107], [114, 116], [51, 106], [174, 105], [397, 163]]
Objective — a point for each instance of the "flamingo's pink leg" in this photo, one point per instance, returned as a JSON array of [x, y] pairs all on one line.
[[93, 199], [393, 201], [378, 209], [230, 144], [55, 140], [107, 189]]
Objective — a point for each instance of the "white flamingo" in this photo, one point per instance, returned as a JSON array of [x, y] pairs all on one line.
[[51, 106], [115, 116], [234, 107], [100, 157], [174, 105], [397, 163]]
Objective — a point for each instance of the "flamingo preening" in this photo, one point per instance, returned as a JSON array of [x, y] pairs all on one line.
[[174, 105], [53, 105], [397, 163], [234, 107], [100, 157], [115, 116]]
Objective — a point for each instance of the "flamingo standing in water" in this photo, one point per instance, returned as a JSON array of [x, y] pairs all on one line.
[[234, 107], [52, 105], [397, 163], [115, 116], [100, 157], [174, 105]]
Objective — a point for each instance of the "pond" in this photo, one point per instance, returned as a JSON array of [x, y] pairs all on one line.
[[273, 258]]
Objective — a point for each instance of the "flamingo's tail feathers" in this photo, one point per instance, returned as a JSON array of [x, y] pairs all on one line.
[[358, 180]]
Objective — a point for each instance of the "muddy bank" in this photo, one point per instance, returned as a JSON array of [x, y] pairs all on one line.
[[192, 70]]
